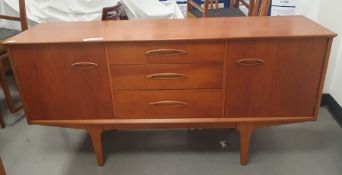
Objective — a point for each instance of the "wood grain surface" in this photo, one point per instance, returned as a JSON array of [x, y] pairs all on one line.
[[192, 52], [285, 84], [185, 29], [168, 103], [54, 89], [167, 76]]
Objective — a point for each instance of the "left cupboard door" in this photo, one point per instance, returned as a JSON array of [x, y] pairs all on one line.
[[63, 81]]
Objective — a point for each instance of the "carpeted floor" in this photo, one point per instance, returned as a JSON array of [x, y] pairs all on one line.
[[313, 148]]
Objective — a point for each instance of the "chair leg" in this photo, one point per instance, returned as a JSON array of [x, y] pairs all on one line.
[[7, 93], [231, 4], [2, 121]]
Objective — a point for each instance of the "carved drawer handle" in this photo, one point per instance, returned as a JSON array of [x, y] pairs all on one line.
[[84, 65], [166, 76], [250, 62], [165, 52], [168, 104]]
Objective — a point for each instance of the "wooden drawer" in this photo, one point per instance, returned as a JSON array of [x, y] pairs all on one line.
[[165, 52], [167, 76], [169, 104]]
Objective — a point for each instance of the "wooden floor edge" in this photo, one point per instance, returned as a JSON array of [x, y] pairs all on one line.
[[170, 123]]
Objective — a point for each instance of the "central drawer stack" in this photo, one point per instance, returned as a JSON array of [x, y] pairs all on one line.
[[167, 79]]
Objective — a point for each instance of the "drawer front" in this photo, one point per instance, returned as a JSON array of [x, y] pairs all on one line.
[[165, 52], [169, 104], [61, 81], [167, 76]]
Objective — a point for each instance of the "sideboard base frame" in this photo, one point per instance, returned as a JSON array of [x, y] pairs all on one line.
[[245, 126]]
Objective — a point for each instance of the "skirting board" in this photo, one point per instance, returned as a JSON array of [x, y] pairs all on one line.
[[334, 108]]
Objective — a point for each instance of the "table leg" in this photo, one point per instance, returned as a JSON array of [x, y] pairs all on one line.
[[2, 169]]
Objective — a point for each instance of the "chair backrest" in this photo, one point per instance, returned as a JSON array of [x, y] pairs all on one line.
[[255, 7], [264, 7], [249, 5], [22, 16]]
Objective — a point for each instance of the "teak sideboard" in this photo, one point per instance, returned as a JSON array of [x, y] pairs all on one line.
[[243, 73]]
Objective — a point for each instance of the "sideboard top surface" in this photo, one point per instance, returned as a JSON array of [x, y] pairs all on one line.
[[166, 30]]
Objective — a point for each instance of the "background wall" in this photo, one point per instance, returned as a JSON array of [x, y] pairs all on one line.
[[308, 8], [329, 14]]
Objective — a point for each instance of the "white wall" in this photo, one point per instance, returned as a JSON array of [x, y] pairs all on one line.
[[308, 8], [329, 15]]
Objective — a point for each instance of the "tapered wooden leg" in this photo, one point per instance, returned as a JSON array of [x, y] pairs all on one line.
[[96, 139], [2, 168], [246, 131]]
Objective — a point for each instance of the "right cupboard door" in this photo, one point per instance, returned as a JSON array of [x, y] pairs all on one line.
[[273, 77]]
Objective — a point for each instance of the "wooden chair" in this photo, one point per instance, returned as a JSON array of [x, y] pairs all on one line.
[[255, 8], [4, 62], [264, 7], [22, 18], [113, 13]]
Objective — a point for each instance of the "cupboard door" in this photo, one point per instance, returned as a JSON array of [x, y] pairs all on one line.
[[64, 81], [273, 77]]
